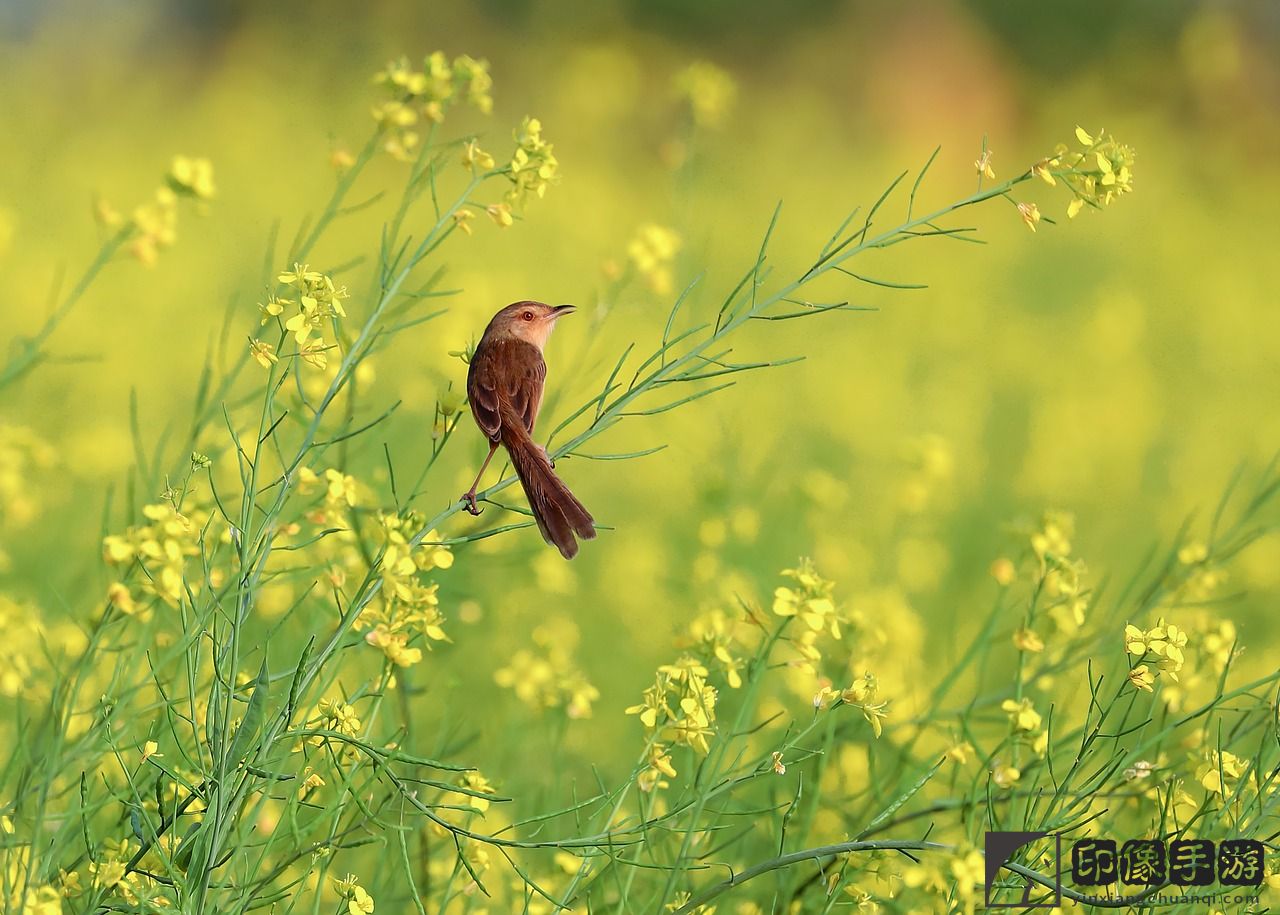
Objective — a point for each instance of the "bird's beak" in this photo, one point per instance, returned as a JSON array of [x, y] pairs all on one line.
[[561, 310]]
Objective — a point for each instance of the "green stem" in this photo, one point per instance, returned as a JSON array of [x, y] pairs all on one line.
[[31, 352]]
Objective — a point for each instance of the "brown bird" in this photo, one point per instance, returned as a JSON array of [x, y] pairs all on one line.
[[504, 387]]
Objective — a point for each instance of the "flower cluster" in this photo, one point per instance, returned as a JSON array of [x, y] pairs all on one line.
[[1158, 650], [863, 694], [1097, 173], [1216, 641], [162, 547], [422, 96], [153, 226], [1026, 726], [1196, 578], [22, 640], [109, 873], [679, 709], [318, 299], [652, 252], [533, 164], [192, 177], [356, 899], [810, 601], [548, 678], [335, 715], [532, 169], [1225, 774], [716, 639], [709, 90], [930, 463], [1061, 575], [21, 453], [1100, 173], [407, 609]]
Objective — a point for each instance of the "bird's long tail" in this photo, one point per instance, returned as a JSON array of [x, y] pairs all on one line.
[[558, 512]]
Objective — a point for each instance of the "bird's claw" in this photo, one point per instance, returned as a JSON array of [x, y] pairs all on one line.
[[469, 503]]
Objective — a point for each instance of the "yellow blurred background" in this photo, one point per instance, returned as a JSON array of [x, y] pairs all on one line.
[[1119, 366]]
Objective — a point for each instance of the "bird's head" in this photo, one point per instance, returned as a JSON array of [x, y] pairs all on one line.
[[531, 322]]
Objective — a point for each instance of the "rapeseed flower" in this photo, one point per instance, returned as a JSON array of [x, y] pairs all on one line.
[[709, 91], [1022, 714]]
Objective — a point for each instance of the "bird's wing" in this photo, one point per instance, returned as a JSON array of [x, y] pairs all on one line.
[[528, 380], [506, 378], [484, 391]]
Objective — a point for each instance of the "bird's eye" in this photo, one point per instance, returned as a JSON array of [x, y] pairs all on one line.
[[528, 316]]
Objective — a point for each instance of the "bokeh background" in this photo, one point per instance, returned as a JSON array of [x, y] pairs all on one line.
[[1120, 366]]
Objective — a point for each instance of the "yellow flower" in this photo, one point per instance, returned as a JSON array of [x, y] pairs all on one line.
[[313, 781], [653, 706], [814, 611], [315, 354], [106, 215], [395, 645], [474, 157], [1027, 640], [1022, 714], [1098, 174], [1164, 642], [341, 487], [1135, 640], [360, 903], [983, 165], [1005, 776], [107, 873], [779, 767], [263, 353], [658, 769], [474, 81], [533, 166], [500, 213], [1142, 678], [155, 226], [1220, 772], [1192, 553], [340, 159], [119, 596], [1041, 171], [862, 694], [474, 781], [462, 219], [336, 715], [149, 749], [43, 900], [1053, 539], [960, 753], [652, 252], [968, 871], [1004, 571], [1030, 214], [714, 635], [709, 90], [303, 324], [193, 177]]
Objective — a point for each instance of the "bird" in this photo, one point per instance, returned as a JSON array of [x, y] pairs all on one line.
[[504, 388]]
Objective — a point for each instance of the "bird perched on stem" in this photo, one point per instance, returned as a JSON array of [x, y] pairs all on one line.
[[504, 387]]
